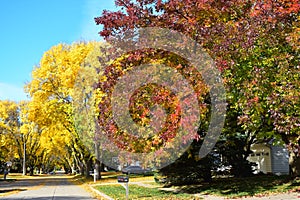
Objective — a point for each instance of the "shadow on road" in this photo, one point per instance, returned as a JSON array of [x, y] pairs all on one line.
[[43, 188], [11, 190], [27, 183]]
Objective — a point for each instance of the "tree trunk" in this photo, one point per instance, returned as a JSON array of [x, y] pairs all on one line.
[[88, 167], [81, 168], [97, 163], [294, 162], [31, 171]]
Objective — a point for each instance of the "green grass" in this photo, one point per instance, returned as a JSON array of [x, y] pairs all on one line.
[[225, 187], [238, 187], [138, 192]]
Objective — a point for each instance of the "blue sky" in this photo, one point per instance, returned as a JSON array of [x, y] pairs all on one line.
[[31, 27]]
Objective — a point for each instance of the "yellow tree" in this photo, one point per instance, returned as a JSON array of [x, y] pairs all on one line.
[[85, 101], [30, 141], [9, 127], [19, 137], [52, 89]]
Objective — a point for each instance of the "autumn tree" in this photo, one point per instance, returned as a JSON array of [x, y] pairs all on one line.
[[254, 44], [10, 128], [51, 106], [85, 109], [17, 134], [30, 140]]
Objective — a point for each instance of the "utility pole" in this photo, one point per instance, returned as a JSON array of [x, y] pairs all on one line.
[[24, 157]]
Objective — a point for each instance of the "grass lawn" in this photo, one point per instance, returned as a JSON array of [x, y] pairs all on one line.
[[238, 187], [138, 192], [225, 187]]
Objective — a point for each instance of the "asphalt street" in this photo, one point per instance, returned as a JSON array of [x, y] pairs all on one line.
[[51, 188]]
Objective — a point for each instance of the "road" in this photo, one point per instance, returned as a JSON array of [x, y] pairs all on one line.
[[48, 188]]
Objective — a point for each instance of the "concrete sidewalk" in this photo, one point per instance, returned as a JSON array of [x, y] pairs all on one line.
[[57, 188]]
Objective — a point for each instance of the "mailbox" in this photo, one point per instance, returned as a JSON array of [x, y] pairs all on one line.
[[123, 179]]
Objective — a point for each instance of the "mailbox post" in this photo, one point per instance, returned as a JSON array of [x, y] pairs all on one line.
[[95, 175], [124, 179]]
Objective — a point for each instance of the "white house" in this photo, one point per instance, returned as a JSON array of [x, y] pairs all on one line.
[[270, 159]]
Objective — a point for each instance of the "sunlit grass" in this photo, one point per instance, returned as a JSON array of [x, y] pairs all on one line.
[[35, 176], [14, 176], [139, 192]]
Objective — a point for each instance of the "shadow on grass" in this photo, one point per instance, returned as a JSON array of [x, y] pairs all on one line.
[[236, 187]]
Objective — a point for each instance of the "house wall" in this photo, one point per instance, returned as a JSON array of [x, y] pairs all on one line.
[[280, 160], [262, 157]]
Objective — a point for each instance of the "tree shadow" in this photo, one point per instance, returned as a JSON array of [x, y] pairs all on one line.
[[33, 182], [7, 180], [11, 190], [235, 187]]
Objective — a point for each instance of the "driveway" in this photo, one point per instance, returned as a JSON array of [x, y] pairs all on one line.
[[48, 188]]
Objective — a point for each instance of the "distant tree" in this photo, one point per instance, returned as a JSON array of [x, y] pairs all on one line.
[[9, 129]]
